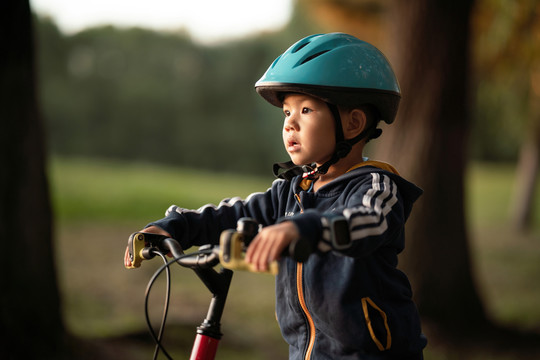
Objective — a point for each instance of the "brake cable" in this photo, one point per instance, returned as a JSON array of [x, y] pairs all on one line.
[[157, 338]]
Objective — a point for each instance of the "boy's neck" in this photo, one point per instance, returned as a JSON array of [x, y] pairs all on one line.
[[341, 167]]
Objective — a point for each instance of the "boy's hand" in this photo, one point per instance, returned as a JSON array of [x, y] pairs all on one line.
[[150, 230], [269, 243]]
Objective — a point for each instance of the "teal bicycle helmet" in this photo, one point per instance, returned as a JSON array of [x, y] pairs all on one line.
[[342, 71]]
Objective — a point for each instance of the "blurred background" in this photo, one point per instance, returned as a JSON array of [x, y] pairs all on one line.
[[144, 106]]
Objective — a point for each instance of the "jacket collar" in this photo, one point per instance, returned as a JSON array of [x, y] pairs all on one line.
[[306, 183]]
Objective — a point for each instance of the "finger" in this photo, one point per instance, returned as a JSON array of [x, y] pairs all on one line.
[[258, 251], [127, 260], [280, 244], [155, 230], [269, 242], [252, 249]]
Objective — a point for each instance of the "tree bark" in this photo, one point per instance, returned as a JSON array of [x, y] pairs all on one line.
[[31, 319], [428, 144]]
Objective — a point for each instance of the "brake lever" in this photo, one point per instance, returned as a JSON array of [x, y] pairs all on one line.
[[142, 246]]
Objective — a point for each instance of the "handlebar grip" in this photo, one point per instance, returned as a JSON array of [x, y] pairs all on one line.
[[232, 246], [200, 261], [136, 245], [231, 253], [140, 245]]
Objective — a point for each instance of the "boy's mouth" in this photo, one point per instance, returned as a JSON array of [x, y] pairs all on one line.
[[292, 145]]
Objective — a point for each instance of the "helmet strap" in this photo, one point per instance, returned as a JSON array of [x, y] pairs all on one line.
[[343, 147]]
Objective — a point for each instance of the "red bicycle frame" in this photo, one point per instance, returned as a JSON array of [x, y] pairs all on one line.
[[205, 347]]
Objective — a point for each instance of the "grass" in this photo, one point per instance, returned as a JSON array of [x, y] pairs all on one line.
[[506, 260], [90, 190], [490, 195], [99, 203]]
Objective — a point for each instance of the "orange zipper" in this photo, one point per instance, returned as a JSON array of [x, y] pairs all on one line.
[[301, 299], [299, 202]]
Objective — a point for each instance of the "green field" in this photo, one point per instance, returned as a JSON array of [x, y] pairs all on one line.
[[99, 203], [87, 190]]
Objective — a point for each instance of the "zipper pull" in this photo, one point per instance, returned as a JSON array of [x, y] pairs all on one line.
[[297, 197]]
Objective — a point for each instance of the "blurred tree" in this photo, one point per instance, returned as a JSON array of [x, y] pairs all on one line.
[[508, 47], [365, 19], [138, 94], [142, 95], [529, 160], [32, 326], [428, 143]]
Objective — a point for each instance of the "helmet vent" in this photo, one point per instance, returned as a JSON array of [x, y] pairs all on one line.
[[275, 62], [300, 46], [309, 58]]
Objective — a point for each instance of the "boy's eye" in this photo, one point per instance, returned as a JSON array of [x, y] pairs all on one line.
[[306, 110], [287, 112]]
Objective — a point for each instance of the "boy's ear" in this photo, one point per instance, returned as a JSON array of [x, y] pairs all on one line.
[[356, 123]]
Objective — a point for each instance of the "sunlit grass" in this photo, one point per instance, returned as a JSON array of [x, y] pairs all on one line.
[[85, 189], [490, 194]]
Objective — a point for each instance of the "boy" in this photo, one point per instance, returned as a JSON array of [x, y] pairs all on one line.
[[347, 300]]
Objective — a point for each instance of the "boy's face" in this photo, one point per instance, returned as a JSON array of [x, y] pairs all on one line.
[[308, 129]]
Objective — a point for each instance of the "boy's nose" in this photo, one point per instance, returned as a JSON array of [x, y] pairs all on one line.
[[290, 124]]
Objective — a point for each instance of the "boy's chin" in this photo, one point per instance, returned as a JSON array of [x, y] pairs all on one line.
[[298, 161]]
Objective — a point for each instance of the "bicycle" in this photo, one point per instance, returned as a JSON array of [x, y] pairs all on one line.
[[229, 253]]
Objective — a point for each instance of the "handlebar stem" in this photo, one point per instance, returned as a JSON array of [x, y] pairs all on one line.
[[218, 284]]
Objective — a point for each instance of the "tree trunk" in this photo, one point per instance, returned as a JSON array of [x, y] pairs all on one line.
[[529, 162], [31, 320], [526, 179], [427, 143]]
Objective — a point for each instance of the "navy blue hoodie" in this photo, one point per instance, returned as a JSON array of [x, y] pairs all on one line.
[[344, 302]]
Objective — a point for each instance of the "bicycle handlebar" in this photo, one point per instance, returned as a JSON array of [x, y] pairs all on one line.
[[145, 246], [202, 259], [230, 252]]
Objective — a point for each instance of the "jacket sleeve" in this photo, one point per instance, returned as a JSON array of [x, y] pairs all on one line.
[[373, 214], [204, 226]]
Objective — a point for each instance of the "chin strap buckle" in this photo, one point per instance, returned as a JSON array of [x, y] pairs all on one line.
[[311, 172]]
